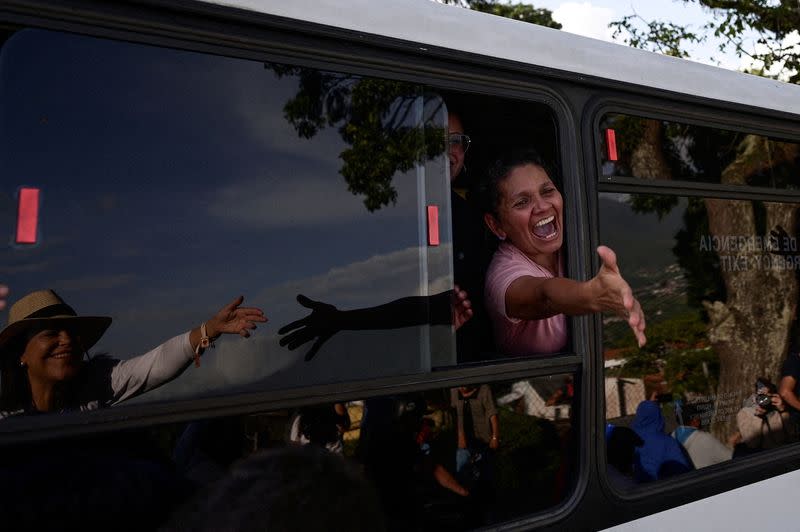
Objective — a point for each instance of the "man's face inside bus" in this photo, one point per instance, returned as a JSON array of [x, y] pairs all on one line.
[[456, 149]]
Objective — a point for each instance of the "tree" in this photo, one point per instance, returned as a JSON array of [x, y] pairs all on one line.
[[378, 119], [750, 319], [735, 23], [522, 12]]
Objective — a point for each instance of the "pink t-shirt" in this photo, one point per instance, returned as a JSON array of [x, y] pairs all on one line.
[[513, 336]]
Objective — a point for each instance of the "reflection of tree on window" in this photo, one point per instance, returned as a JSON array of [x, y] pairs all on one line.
[[378, 119], [748, 331]]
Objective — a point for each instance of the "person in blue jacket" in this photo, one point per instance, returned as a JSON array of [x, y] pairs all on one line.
[[660, 456]]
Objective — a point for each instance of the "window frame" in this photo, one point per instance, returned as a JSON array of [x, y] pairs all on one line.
[[316, 50], [574, 98], [719, 478]]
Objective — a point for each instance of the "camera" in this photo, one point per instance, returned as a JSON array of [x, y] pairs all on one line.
[[764, 400]]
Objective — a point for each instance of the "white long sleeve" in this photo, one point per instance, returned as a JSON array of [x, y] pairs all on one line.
[[138, 375]]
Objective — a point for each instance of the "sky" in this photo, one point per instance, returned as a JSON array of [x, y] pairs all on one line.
[[591, 19]]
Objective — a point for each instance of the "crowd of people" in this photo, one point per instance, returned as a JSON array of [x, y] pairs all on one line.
[[644, 451]]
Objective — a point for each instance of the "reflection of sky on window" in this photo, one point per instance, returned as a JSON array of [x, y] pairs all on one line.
[[171, 183]]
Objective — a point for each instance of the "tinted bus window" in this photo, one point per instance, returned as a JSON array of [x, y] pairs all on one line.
[[717, 378], [652, 149], [169, 182]]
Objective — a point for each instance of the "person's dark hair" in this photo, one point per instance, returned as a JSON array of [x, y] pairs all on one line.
[[499, 170], [686, 413], [15, 390], [290, 489], [621, 447], [766, 383]]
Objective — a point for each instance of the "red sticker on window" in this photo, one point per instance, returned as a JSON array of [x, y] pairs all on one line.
[[611, 144], [27, 215], [433, 225]]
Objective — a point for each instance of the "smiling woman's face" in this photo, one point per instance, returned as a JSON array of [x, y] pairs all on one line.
[[530, 212], [52, 356]]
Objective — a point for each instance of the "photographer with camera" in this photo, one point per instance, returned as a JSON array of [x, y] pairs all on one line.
[[762, 420]]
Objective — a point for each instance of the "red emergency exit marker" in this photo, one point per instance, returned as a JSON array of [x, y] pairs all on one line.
[[27, 215], [433, 225], [611, 144]]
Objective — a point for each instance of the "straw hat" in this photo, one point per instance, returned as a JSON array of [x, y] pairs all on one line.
[[45, 309]]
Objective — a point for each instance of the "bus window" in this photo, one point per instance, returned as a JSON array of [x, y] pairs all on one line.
[[652, 149], [169, 182], [717, 378], [455, 458], [493, 126]]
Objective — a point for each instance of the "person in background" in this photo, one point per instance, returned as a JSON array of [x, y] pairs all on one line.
[[477, 425], [527, 295], [293, 489], [322, 425], [43, 352], [789, 390], [703, 448], [762, 420], [660, 456], [470, 250], [478, 438], [621, 445]]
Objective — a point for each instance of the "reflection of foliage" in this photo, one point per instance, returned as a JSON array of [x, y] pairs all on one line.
[[734, 24], [530, 455], [646, 203], [679, 347], [638, 363], [699, 153], [682, 331], [701, 267], [523, 12], [378, 119], [692, 370], [664, 37], [629, 129]]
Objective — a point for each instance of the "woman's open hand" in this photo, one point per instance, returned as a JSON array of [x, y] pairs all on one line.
[[235, 319], [613, 294]]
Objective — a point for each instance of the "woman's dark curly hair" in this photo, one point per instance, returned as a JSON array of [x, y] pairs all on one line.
[[500, 169], [15, 391]]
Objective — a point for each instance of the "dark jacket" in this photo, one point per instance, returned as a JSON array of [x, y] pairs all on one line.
[[660, 456]]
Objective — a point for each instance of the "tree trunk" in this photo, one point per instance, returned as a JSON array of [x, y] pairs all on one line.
[[749, 331]]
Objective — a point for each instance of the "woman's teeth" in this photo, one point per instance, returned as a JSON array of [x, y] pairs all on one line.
[[546, 228]]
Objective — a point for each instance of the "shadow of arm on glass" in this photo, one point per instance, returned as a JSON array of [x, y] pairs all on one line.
[[451, 307]]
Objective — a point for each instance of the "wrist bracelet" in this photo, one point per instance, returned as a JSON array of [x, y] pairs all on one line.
[[205, 343]]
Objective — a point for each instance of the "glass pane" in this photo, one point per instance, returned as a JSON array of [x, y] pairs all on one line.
[[444, 459], [169, 182], [718, 377], [651, 149]]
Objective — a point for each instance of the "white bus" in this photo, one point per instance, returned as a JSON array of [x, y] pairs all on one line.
[[161, 157]]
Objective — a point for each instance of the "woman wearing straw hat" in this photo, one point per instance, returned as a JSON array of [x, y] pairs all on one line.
[[42, 356]]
